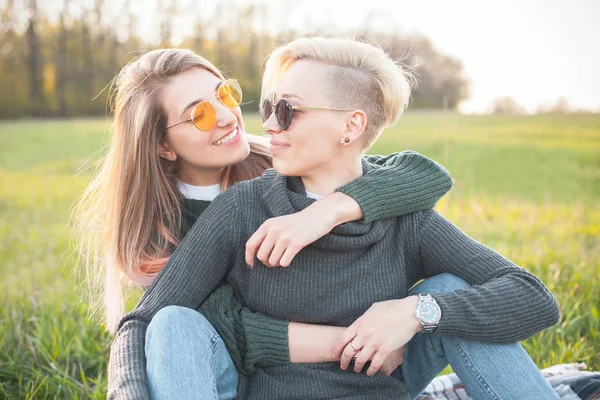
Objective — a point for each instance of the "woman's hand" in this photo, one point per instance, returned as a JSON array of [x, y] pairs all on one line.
[[309, 343], [393, 361], [386, 327], [278, 240]]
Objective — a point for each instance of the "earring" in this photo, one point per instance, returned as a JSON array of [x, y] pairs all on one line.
[[345, 140]]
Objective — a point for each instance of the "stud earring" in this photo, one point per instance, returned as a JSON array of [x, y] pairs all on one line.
[[345, 140]]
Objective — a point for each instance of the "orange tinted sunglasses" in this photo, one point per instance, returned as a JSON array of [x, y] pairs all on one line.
[[204, 115]]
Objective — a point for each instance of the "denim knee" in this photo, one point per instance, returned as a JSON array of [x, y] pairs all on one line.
[[173, 321], [444, 282]]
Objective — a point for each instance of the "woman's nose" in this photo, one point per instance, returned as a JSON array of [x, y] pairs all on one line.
[[271, 126], [225, 115]]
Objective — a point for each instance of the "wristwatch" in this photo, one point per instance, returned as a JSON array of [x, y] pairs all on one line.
[[428, 312]]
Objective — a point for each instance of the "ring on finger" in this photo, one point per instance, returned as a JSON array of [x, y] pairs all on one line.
[[356, 351]]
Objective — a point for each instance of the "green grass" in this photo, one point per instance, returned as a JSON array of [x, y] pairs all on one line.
[[526, 186]]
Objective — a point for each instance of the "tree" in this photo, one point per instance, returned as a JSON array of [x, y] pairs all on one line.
[[505, 105], [34, 61], [560, 106], [13, 69], [81, 54], [61, 63]]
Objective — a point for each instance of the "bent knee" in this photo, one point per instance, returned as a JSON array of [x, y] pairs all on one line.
[[444, 282], [177, 320]]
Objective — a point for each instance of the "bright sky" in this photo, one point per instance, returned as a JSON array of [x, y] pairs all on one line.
[[533, 50]]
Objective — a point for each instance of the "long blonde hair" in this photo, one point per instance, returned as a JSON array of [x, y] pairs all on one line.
[[363, 75], [129, 217]]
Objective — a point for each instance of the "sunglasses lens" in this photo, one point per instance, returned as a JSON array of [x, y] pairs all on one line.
[[284, 112], [230, 93], [267, 109], [204, 116]]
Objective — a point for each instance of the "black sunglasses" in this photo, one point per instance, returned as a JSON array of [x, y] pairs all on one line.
[[284, 111]]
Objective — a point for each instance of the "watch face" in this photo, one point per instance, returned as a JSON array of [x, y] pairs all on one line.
[[429, 312]]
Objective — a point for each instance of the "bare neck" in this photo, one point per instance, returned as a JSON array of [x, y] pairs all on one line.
[[325, 179], [197, 176]]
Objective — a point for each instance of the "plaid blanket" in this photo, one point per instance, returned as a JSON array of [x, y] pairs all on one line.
[[570, 382]]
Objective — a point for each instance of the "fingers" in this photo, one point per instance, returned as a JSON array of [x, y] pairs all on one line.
[[265, 250], [386, 365], [365, 354], [345, 338], [277, 241], [277, 253], [269, 244], [349, 352], [253, 244], [288, 256], [377, 363]]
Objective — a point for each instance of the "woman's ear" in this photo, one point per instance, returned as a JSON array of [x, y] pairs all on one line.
[[165, 152], [355, 127]]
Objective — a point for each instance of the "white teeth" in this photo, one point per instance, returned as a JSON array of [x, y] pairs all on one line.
[[227, 138]]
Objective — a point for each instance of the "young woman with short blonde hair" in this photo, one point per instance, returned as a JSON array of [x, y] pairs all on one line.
[[178, 140]]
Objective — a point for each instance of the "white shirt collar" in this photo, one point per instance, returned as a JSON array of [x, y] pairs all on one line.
[[313, 195], [206, 193]]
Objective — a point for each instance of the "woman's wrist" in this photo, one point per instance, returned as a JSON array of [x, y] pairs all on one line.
[[312, 343], [415, 323], [339, 208]]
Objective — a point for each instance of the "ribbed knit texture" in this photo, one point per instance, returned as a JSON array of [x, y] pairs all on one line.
[[333, 281], [254, 339], [402, 183], [251, 339]]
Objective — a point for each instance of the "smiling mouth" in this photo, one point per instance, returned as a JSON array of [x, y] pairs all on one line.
[[228, 138]]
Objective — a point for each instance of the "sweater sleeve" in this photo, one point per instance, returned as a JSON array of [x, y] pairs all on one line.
[[252, 339], [399, 184], [196, 267], [504, 304]]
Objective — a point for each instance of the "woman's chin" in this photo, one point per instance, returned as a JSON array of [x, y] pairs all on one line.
[[242, 151], [285, 169], [235, 157], [245, 148]]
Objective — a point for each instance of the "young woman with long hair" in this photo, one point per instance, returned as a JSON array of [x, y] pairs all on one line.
[[178, 140], [361, 274]]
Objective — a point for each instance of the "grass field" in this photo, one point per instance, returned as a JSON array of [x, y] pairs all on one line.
[[526, 186]]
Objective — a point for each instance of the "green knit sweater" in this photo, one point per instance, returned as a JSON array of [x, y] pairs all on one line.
[[333, 281], [397, 185], [394, 185]]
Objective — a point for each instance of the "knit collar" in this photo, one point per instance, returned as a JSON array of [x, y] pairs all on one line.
[[284, 195]]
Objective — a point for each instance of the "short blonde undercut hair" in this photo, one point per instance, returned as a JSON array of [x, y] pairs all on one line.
[[362, 77]]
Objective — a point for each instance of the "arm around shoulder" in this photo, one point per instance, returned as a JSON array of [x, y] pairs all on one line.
[[398, 184]]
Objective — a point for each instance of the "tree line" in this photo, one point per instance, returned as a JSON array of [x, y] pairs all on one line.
[[55, 62]]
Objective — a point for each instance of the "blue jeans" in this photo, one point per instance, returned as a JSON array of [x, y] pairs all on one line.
[[186, 359], [488, 370]]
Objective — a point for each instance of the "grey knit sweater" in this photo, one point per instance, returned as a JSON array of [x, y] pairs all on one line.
[[333, 282]]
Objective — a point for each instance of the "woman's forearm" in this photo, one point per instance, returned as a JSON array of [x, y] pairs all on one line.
[[398, 184], [313, 343], [339, 207]]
